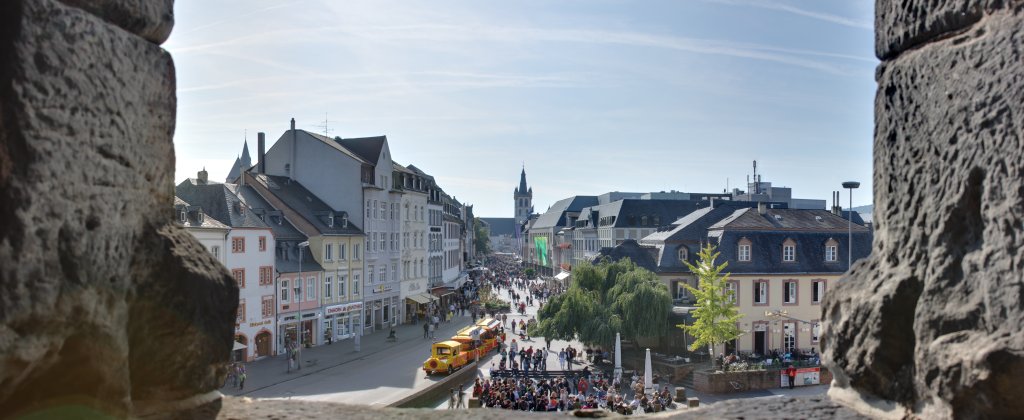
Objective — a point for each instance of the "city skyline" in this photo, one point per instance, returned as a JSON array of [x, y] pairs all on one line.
[[592, 97]]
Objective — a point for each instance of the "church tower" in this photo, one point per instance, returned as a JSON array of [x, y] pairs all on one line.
[[524, 200]]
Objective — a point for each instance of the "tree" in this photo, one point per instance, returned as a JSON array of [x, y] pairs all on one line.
[[716, 317], [482, 238], [604, 299]]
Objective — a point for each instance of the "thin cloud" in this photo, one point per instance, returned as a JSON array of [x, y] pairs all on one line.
[[783, 7]]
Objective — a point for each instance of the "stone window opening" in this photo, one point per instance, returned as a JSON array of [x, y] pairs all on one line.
[[831, 250], [789, 251], [743, 250]]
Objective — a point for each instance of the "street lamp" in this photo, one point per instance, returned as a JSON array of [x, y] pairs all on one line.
[[302, 287], [850, 185]]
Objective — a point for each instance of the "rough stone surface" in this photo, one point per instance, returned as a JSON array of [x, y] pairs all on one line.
[[103, 305], [150, 19], [902, 25], [932, 320], [761, 408]]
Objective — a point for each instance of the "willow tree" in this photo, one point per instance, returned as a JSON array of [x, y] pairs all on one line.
[[604, 299], [716, 317]]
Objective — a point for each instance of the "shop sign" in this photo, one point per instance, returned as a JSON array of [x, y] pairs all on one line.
[[414, 286], [288, 318], [258, 324], [383, 288], [339, 309]]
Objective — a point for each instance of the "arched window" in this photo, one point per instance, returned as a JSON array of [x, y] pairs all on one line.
[[684, 254]]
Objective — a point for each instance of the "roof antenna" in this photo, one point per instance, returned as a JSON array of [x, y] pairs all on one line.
[[325, 126]]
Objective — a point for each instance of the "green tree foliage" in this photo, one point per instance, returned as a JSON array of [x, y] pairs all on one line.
[[604, 299], [529, 272], [716, 316], [482, 241]]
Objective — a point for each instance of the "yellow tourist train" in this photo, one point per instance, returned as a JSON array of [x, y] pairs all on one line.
[[470, 343]]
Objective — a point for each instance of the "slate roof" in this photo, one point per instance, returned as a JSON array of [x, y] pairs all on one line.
[[630, 212], [640, 255], [304, 203], [333, 143], [555, 216], [726, 226], [501, 225], [219, 202], [195, 218], [367, 148], [291, 265], [785, 219]]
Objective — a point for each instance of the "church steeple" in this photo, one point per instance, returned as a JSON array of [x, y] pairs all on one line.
[[523, 197]]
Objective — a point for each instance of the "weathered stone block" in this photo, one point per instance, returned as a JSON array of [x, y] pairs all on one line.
[[932, 320], [86, 163], [902, 25], [150, 19]]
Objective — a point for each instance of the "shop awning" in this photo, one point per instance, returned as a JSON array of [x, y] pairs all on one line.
[[419, 298], [562, 276], [239, 346]]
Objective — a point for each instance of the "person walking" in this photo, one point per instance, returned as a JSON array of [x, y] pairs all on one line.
[[451, 398], [462, 396], [561, 359], [426, 330], [241, 377], [432, 329]]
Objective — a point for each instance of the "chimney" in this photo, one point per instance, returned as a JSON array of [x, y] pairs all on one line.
[[261, 140], [761, 208], [203, 176], [711, 202], [295, 148]]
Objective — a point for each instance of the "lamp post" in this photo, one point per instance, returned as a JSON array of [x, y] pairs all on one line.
[[850, 185], [302, 280]]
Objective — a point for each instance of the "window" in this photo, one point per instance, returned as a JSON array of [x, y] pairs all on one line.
[[263, 243], [215, 250], [341, 251], [237, 245], [732, 289], [683, 254], [267, 307], [394, 271], [284, 291], [355, 285], [342, 282], [370, 274], [182, 217], [355, 251], [789, 292], [760, 292], [328, 281], [329, 252], [266, 275], [815, 331], [831, 250], [383, 274], [297, 289], [743, 253], [240, 316], [369, 213], [311, 288], [789, 251], [239, 275], [376, 210], [817, 291]]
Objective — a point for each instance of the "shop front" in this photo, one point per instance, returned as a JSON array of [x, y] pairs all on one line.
[[381, 310], [418, 306], [289, 327], [340, 321]]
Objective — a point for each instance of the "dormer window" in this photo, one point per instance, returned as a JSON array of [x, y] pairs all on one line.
[[287, 169], [643, 220], [789, 250], [743, 250], [330, 221], [183, 216], [201, 217], [831, 250], [683, 254]]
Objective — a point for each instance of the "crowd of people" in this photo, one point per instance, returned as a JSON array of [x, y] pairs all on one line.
[[512, 387], [582, 391]]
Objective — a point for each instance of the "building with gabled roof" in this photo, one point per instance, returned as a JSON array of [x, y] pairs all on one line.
[[248, 256]]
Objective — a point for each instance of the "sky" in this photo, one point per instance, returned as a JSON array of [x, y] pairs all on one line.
[[590, 95]]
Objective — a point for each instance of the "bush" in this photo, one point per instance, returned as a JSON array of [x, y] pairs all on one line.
[[530, 272], [497, 306]]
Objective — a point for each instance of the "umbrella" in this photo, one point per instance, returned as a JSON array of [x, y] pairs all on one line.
[[618, 356], [648, 379], [239, 346]]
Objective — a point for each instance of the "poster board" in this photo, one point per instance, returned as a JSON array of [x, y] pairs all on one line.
[[804, 377]]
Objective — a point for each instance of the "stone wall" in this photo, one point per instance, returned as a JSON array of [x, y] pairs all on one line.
[[104, 307], [930, 324], [721, 383]]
